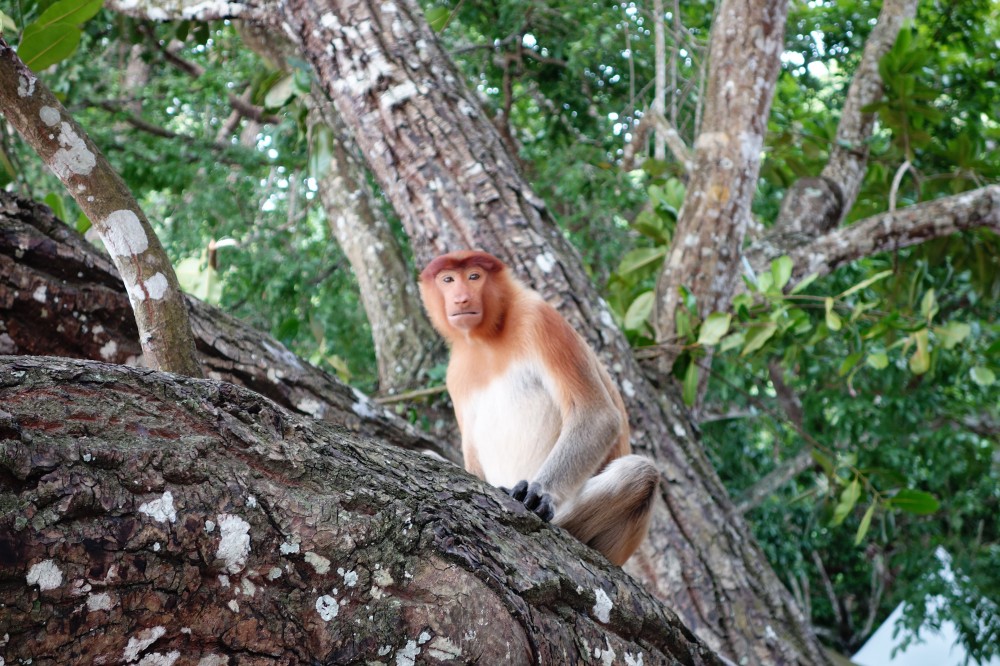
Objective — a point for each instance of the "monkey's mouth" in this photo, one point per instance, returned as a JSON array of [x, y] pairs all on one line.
[[464, 313]]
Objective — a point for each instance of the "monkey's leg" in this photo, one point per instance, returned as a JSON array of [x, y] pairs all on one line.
[[612, 510]]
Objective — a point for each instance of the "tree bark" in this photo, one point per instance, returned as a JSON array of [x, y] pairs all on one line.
[[744, 60], [157, 302], [194, 522], [406, 347], [449, 176], [86, 314]]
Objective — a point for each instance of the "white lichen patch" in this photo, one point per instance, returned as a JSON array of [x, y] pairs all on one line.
[[312, 407], [234, 546], [140, 642], [442, 649], [26, 85], [363, 407], [157, 659], [109, 350], [49, 115], [288, 548], [161, 510], [602, 605], [39, 294], [318, 562], [46, 575], [213, 660], [408, 655], [607, 656], [350, 577], [73, 158], [546, 262], [234, 605], [274, 573], [633, 661], [124, 235], [155, 288], [327, 607]]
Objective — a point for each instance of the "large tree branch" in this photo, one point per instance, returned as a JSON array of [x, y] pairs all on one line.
[[157, 302], [159, 516], [816, 205], [85, 314], [881, 233]]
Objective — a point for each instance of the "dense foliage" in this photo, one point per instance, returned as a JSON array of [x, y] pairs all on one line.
[[891, 362]]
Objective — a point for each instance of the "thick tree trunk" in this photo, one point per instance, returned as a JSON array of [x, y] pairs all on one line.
[[744, 60], [179, 521], [60, 296], [406, 347]]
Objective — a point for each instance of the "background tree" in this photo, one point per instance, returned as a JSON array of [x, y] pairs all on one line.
[[571, 119]]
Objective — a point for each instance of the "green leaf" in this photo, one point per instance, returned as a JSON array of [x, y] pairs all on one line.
[[280, 93], [804, 282], [848, 498], [823, 461], [848, 364], [713, 328], [55, 202], [690, 391], [928, 305], [915, 501], [437, 18], [83, 223], [639, 311], [953, 333], [879, 361], [920, 362], [866, 522], [7, 24], [781, 271], [757, 336], [682, 320], [640, 258], [41, 48], [321, 151], [832, 318], [732, 341], [72, 12], [982, 376], [865, 283]]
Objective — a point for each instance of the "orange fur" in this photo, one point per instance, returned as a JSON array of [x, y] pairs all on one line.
[[534, 403]]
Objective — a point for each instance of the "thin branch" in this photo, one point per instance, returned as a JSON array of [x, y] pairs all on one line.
[[884, 232]]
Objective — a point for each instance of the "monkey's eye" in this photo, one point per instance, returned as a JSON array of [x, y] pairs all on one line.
[[473, 276], [447, 278]]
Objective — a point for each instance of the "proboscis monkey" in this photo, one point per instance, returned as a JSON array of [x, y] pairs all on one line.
[[538, 413]]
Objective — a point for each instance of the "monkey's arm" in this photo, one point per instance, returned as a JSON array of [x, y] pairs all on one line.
[[591, 421]]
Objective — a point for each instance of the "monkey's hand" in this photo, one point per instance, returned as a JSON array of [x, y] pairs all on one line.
[[534, 499]]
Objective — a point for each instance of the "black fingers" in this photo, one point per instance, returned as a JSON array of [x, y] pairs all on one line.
[[534, 499]]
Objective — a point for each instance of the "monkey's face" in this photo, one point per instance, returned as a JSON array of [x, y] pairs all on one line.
[[462, 291]]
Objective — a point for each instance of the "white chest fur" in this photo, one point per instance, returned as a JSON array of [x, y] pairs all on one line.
[[512, 422]]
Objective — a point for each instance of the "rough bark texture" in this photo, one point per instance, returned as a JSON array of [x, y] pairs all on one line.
[[194, 522], [406, 347], [744, 60], [447, 172], [60, 296], [849, 152], [881, 233], [160, 313]]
